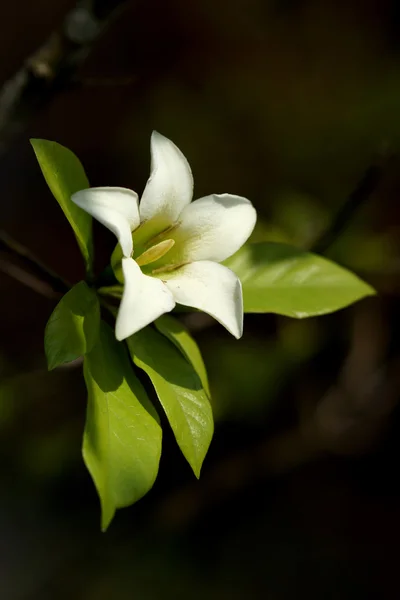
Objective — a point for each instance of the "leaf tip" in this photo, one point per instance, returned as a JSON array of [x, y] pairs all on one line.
[[371, 291], [107, 515], [51, 363], [105, 523], [196, 470], [366, 292], [36, 143]]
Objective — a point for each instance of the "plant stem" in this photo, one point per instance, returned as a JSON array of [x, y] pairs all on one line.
[[360, 195], [52, 67], [18, 262]]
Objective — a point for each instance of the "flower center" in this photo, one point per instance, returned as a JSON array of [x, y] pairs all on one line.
[[154, 253]]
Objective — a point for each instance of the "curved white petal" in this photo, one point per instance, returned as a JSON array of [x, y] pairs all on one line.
[[144, 299], [212, 288], [116, 208], [212, 228], [170, 186]]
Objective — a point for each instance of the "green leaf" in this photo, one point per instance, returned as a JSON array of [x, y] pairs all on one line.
[[281, 279], [73, 327], [179, 390], [114, 291], [179, 335], [122, 437], [116, 263], [65, 175]]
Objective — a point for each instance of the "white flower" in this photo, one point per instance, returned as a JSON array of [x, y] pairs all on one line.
[[177, 243]]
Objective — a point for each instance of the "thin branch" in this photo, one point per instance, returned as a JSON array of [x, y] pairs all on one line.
[[362, 193], [52, 67], [18, 262], [48, 71], [26, 278]]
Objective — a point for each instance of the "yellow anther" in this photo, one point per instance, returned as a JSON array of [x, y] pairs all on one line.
[[154, 253]]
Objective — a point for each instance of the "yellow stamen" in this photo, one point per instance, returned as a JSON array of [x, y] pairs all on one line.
[[154, 253], [162, 234]]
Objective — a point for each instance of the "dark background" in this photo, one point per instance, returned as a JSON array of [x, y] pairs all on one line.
[[289, 103]]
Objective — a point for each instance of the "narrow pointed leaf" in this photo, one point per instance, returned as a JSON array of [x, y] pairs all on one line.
[[65, 175], [179, 390], [281, 279], [179, 335], [122, 437], [73, 327]]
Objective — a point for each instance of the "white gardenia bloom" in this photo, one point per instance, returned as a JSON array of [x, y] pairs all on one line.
[[171, 246]]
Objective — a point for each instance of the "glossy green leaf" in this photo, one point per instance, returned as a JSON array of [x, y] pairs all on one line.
[[65, 175], [281, 279], [122, 437], [73, 327], [179, 390], [179, 335]]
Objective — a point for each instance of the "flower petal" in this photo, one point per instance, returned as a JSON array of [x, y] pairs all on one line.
[[212, 228], [212, 288], [170, 186], [116, 208], [144, 299]]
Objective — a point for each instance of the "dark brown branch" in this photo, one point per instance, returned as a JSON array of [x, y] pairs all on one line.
[[18, 262], [51, 69], [44, 74], [362, 193]]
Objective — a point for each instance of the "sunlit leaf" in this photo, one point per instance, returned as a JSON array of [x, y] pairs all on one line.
[[282, 279], [122, 437], [179, 390], [179, 335], [73, 327], [65, 175]]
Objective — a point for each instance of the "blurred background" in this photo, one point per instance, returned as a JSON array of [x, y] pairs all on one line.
[[289, 103]]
